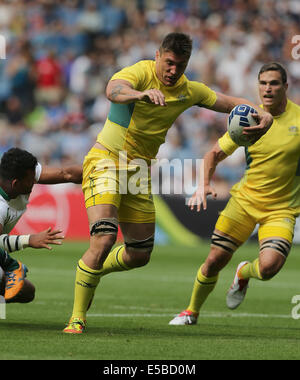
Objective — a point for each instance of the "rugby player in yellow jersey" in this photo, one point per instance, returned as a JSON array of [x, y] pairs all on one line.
[[146, 99], [267, 195]]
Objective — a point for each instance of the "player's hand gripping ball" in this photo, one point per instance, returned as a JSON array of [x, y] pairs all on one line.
[[240, 117]]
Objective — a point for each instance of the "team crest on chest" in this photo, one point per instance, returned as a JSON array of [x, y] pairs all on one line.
[[182, 97], [294, 130]]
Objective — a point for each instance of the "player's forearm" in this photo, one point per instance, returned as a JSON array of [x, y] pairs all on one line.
[[51, 175], [12, 243], [72, 174], [260, 111], [225, 104], [122, 93], [210, 164], [211, 160]]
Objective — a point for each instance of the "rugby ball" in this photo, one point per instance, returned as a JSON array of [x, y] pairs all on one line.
[[240, 117]]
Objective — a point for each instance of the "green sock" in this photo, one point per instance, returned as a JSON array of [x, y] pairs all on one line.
[[7, 263]]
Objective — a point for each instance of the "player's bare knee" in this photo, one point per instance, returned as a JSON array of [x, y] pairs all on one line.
[[25, 295], [29, 297], [267, 272], [138, 258], [213, 264], [273, 254], [269, 269], [28, 292], [104, 234], [216, 260], [139, 251], [103, 243]]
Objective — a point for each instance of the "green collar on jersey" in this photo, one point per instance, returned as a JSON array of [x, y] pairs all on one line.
[[4, 195]]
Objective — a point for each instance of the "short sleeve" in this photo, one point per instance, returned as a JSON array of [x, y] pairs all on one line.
[[203, 95], [227, 145], [135, 74]]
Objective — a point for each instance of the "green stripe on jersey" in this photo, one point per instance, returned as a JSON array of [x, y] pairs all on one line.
[[248, 158], [4, 195], [121, 113]]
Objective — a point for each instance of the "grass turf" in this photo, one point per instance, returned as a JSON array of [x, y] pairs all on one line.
[[129, 317]]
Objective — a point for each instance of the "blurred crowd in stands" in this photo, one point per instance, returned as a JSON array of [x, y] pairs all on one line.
[[61, 53]]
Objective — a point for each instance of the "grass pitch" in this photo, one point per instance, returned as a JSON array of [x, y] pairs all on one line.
[[129, 317]]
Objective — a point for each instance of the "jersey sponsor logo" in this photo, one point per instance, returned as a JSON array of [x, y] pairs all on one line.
[[182, 97], [294, 130]]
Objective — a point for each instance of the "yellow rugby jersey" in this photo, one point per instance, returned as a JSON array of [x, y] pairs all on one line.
[[272, 176], [140, 127]]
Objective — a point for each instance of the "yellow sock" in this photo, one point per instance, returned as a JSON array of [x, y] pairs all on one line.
[[86, 282], [203, 286], [114, 262], [250, 270]]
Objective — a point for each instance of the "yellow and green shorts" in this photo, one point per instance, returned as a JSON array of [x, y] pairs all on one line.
[[239, 219], [107, 180]]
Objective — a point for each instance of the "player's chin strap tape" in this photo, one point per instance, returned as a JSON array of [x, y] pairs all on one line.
[[223, 242], [281, 246], [105, 226], [13, 243], [143, 245]]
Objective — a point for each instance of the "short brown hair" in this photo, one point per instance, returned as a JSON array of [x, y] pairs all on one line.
[[274, 66], [178, 43]]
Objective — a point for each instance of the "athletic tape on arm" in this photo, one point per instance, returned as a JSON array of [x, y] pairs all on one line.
[[13, 243]]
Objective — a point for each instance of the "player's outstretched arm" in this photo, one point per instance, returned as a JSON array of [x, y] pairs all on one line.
[[121, 91], [12, 243], [51, 175], [44, 238], [225, 103], [211, 160]]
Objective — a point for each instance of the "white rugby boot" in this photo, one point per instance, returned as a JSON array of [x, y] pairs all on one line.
[[237, 290], [186, 317]]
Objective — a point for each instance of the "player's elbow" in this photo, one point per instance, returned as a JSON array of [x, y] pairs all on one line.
[[110, 92]]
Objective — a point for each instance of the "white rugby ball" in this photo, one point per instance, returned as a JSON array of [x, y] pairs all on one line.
[[240, 117]]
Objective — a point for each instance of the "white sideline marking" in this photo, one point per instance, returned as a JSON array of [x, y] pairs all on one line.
[[203, 315]]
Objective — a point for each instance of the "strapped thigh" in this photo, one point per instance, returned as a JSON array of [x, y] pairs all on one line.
[[224, 242], [281, 246], [139, 245], [104, 226]]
